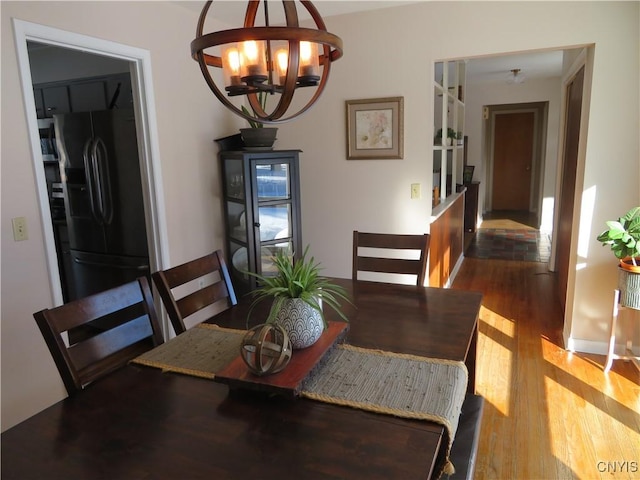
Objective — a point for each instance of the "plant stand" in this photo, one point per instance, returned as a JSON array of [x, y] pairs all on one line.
[[628, 355]]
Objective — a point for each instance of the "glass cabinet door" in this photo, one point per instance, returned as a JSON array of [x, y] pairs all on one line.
[[274, 207], [273, 181], [262, 210], [234, 178]]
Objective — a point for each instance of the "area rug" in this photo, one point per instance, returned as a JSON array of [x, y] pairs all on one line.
[[506, 244]]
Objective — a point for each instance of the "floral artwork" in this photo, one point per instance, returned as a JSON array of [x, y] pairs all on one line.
[[375, 128]]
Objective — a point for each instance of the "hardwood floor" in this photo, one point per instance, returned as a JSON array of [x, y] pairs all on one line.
[[549, 414], [509, 220]]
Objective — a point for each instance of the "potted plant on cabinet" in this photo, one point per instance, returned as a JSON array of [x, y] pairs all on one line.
[[258, 136], [298, 292], [623, 236], [452, 135]]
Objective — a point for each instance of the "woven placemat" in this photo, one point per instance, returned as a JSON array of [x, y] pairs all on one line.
[[201, 351], [406, 386]]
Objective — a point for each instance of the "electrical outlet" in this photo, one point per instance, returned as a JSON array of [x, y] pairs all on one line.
[[415, 191], [19, 228]]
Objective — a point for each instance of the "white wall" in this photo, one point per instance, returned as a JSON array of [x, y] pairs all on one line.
[[188, 119], [391, 53], [387, 53]]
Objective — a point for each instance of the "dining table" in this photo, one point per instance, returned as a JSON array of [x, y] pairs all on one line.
[[145, 423]]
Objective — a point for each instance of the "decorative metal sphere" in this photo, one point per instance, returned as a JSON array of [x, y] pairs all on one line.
[[266, 349]]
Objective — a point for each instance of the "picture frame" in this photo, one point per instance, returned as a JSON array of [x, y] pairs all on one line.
[[375, 128], [467, 173]]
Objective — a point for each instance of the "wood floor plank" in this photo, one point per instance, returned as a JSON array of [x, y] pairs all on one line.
[[549, 413]]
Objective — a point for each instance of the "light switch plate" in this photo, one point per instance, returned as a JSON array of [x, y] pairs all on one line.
[[415, 191], [19, 228]]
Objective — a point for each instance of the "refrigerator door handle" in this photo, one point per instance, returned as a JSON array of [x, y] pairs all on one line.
[[89, 178], [110, 265], [100, 160], [52, 140]]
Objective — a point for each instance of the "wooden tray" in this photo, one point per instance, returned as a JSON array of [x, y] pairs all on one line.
[[289, 381]]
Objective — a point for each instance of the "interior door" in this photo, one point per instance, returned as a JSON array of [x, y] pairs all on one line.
[[568, 185], [512, 160]]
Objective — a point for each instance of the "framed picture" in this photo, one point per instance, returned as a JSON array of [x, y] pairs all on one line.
[[467, 173], [375, 128]]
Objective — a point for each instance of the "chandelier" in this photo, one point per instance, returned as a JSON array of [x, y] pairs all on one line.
[[259, 60]]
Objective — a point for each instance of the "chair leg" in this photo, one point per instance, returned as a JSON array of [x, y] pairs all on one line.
[[612, 333]]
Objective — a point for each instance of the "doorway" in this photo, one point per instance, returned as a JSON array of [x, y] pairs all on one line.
[[146, 133], [573, 115], [95, 194], [515, 158], [512, 159]]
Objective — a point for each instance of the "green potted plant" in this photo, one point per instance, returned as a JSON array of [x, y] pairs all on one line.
[[258, 136], [298, 292], [451, 136], [623, 236]]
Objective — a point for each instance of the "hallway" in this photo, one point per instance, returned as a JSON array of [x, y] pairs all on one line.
[[510, 235], [549, 413]]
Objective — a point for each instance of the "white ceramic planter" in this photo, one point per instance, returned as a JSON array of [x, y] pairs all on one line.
[[629, 286], [303, 323]]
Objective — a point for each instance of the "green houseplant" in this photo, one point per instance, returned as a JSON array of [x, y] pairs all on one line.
[[623, 236], [258, 136], [451, 133], [262, 100], [298, 292]]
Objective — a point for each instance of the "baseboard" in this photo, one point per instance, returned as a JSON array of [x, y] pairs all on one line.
[[454, 272], [596, 348]]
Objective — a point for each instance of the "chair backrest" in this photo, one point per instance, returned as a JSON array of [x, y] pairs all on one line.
[[389, 243], [115, 326], [201, 294]]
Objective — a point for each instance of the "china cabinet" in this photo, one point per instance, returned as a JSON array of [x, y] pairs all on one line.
[[261, 209]]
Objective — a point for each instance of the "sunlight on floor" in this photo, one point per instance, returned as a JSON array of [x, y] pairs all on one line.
[[582, 391], [586, 370], [496, 337]]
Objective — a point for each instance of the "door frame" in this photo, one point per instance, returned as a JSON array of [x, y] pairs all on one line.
[[539, 110], [146, 128], [578, 246]]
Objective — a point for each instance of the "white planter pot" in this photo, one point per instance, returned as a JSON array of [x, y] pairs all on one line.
[[629, 286], [303, 323]]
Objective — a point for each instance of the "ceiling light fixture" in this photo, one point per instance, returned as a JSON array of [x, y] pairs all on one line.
[[515, 76], [271, 59]]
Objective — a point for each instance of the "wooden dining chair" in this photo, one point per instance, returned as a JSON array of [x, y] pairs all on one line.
[[118, 324], [210, 286], [389, 243]]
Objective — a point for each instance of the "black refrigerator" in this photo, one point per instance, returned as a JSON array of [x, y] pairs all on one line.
[[104, 208]]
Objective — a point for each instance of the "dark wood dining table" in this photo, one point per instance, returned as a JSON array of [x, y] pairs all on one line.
[[141, 423]]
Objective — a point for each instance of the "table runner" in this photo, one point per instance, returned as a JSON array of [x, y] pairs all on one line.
[[397, 384], [200, 351], [406, 386]]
